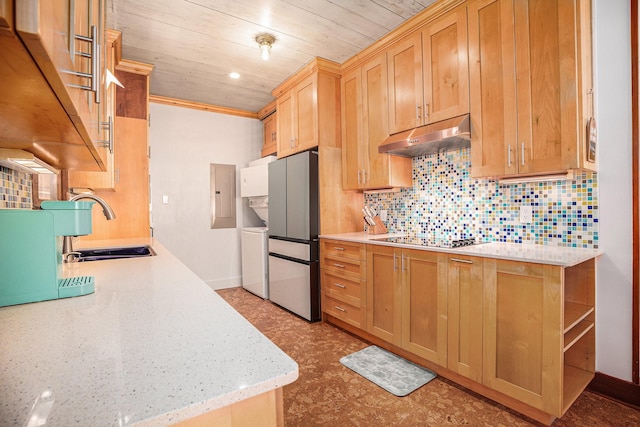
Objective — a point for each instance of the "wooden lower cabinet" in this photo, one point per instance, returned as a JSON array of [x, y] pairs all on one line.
[[464, 316], [424, 304], [538, 332], [383, 293], [343, 281], [406, 300], [520, 333]]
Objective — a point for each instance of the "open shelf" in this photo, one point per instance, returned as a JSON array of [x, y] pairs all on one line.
[[574, 313], [571, 337], [575, 381]]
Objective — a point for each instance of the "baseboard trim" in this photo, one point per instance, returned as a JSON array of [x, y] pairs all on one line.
[[616, 389]]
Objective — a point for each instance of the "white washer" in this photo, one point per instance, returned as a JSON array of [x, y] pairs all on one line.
[[255, 260]]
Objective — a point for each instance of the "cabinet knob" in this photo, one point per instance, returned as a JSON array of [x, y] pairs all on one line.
[[340, 285], [338, 265], [341, 309]]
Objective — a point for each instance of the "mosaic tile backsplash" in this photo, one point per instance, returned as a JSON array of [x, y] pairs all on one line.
[[15, 189], [445, 202]]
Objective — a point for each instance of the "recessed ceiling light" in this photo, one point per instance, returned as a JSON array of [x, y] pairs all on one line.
[[234, 75]]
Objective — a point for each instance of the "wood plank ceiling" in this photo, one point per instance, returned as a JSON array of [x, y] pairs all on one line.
[[195, 44]]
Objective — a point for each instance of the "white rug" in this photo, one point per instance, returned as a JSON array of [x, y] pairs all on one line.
[[389, 371]]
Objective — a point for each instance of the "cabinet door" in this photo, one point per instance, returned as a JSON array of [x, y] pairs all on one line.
[[546, 66], [305, 122], [384, 316], [492, 87], [464, 316], [108, 179], [269, 145], [48, 30], [375, 122], [446, 75], [405, 84], [285, 124], [424, 304], [523, 332], [383, 170], [351, 115]]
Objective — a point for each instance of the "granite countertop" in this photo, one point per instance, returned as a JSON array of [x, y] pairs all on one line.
[[154, 345], [552, 255]]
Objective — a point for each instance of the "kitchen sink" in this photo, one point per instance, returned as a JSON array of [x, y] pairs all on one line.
[[114, 253]]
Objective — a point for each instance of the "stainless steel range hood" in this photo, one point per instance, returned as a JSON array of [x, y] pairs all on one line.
[[447, 135]]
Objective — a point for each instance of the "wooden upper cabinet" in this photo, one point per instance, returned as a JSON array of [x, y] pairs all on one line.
[[530, 79], [38, 122], [428, 73], [305, 114], [383, 170], [365, 127], [406, 100], [308, 105], [285, 123], [353, 153], [48, 29], [108, 179], [269, 145], [269, 117], [297, 118], [446, 69]]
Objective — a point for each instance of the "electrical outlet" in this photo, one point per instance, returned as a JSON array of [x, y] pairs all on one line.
[[383, 215], [526, 214]]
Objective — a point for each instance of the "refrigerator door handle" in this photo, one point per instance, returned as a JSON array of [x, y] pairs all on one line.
[[288, 258]]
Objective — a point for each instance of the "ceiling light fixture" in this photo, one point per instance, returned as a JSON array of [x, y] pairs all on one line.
[[265, 40], [234, 75]]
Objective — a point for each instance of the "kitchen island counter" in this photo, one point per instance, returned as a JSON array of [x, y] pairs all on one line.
[[541, 254], [154, 345]]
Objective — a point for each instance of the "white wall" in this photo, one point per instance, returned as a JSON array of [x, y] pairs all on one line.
[[612, 49], [184, 142]]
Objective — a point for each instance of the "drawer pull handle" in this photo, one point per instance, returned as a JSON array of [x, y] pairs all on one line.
[[341, 286], [465, 261], [338, 265], [341, 309], [338, 248]]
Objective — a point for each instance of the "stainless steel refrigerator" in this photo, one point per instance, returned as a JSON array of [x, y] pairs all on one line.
[[293, 234]]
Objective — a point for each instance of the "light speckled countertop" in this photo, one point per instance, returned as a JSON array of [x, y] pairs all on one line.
[[553, 255], [154, 345]]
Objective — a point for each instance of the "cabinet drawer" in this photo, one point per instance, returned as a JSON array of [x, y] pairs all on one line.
[[343, 311], [344, 266], [342, 249], [345, 289]]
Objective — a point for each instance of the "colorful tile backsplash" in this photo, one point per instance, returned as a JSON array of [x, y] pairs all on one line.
[[445, 202], [15, 189]]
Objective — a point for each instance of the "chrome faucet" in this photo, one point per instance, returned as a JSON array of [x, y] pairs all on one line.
[[67, 243]]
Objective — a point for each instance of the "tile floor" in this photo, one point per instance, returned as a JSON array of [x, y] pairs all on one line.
[[329, 394]]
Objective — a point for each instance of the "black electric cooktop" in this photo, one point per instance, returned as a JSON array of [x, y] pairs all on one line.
[[430, 242]]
